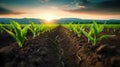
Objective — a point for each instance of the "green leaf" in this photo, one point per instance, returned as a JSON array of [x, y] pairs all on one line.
[[17, 28], [15, 25], [91, 31], [104, 36], [1, 28], [11, 33], [24, 30]]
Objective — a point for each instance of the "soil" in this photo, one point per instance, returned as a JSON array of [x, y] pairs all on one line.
[[60, 48]]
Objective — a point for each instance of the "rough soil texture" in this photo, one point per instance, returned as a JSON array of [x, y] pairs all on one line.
[[60, 48], [5, 39], [56, 48], [105, 54]]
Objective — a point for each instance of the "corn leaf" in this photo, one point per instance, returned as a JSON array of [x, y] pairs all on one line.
[[0, 28], [103, 37], [11, 33]]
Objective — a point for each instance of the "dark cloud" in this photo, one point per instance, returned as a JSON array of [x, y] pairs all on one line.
[[97, 6], [5, 11], [110, 4]]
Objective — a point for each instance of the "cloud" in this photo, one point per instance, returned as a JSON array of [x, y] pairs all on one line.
[[96, 7], [43, 1], [110, 4], [79, 6], [5, 11]]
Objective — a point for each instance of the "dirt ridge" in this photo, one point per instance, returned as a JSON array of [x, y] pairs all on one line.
[[51, 49], [61, 48]]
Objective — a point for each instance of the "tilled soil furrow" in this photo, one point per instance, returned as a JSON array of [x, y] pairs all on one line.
[[61, 48], [51, 49]]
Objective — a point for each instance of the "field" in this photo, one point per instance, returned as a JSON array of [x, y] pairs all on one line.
[[59, 45]]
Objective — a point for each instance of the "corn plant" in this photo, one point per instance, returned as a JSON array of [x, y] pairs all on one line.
[[0, 28], [34, 29], [18, 33], [94, 34], [76, 29], [37, 29], [70, 26], [44, 28]]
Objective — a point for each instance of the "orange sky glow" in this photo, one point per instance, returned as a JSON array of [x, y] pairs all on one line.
[[52, 12]]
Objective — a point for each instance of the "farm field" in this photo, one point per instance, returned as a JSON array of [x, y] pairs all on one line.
[[60, 45]]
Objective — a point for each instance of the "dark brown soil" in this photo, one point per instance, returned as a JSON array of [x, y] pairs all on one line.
[[5, 39], [105, 54], [60, 48], [56, 48]]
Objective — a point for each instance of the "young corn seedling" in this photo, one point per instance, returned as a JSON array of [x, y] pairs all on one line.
[[19, 33], [94, 34], [34, 29], [76, 29], [70, 26], [45, 28], [37, 29], [1, 28]]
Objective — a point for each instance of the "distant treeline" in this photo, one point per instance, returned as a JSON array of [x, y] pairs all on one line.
[[60, 21]]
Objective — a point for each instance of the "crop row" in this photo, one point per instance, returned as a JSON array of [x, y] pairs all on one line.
[[19, 32], [92, 33]]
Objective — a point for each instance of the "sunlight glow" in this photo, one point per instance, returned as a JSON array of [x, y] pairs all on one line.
[[49, 13], [48, 18]]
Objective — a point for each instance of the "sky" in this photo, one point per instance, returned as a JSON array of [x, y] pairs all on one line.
[[56, 9]]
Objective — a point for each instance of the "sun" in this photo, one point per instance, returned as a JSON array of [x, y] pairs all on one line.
[[48, 18]]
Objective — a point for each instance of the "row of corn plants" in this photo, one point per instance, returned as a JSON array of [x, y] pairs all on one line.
[[19, 32], [36, 29], [113, 27], [93, 35], [76, 28]]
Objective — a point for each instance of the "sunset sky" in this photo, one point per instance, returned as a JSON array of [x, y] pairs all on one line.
[[56, 9]]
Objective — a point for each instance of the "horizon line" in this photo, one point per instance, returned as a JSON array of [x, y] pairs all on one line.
[[61, 18]]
